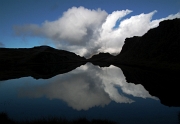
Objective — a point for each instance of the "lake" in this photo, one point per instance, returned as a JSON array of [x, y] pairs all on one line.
[[87, 91]]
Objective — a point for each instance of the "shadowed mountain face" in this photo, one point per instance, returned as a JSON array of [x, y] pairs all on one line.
[[100, 59], [162, 84], [158, 48], [153, 61], [38, 62], [43, 71], [36, 55], [155, 58]]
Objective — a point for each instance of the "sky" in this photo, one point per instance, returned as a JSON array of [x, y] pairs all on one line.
[[78, 89], [85, 27]]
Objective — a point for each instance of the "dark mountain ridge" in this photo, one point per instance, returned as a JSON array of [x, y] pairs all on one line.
[[37, 62], [152, 60], [100, 59], [145, 60], [158, 48], [36, 55], [162, 84]]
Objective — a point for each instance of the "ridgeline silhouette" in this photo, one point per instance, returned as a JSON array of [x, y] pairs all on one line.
[[38, 62], [157, 49], [152, 60]]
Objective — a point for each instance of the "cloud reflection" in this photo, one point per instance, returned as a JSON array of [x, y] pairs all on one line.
[[86, 87]]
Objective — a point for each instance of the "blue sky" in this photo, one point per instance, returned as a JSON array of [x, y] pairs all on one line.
[[18, 16]]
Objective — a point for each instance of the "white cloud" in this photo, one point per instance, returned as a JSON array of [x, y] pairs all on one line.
[[77, 88], [86, 87], [75, 25], [87, 32], [113, 77]]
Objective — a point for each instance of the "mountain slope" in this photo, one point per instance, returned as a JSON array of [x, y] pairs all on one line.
[[158, 48], [38, 62], [159, 83], [100, 59], [36, 55]]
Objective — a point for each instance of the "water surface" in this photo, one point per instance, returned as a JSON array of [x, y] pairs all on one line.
[[88, 91]]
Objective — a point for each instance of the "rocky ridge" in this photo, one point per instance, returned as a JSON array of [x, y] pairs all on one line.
[[36, 55], [158, 48]]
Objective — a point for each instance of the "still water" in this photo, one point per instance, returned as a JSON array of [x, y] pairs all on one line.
[[88, 91]]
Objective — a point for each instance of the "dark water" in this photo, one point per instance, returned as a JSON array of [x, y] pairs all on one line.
[[88, 91]]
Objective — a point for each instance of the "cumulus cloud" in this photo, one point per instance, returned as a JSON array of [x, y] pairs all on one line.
[[113, 77], [87, 32], [76, 88], [86, 87]]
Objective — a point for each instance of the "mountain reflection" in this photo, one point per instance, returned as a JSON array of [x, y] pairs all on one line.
[[86, 87]]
